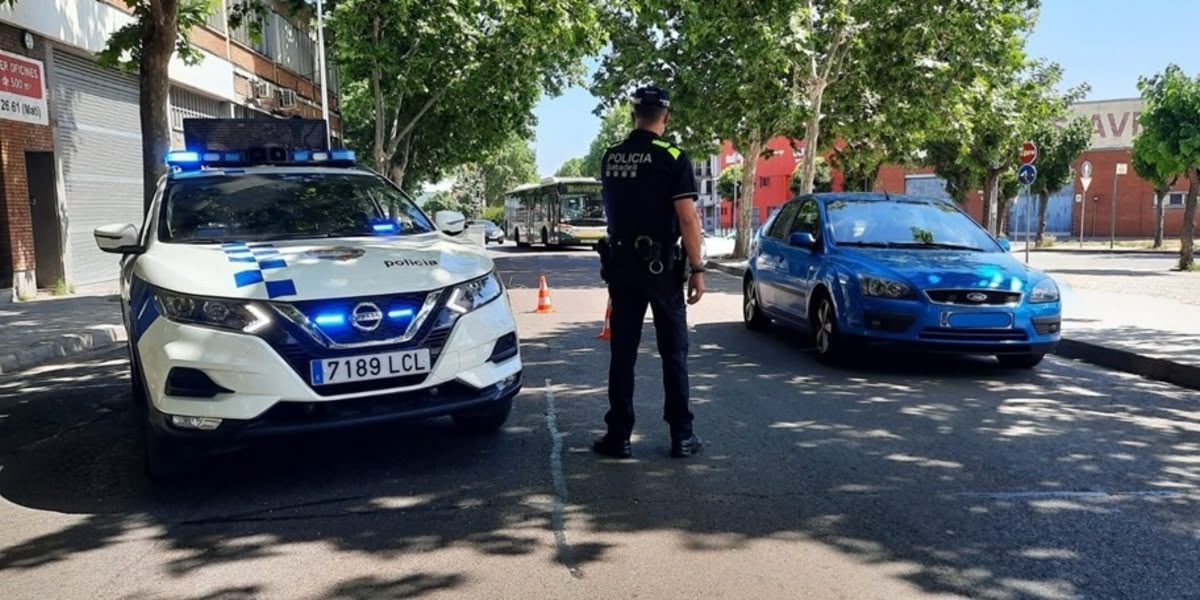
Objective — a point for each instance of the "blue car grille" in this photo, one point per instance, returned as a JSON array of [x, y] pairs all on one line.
[[973, 335], [974, 297]]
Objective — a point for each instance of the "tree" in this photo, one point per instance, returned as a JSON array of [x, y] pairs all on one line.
[[614, 126], [747, 72], [729, 182], [822, 181], [1058, 147], [444, 200], [437, 84], [481, 184], [573, 167], [1160, 172], [1170, 138]]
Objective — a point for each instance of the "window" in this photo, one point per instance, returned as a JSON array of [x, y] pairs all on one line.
[[807, 220], [1176, 199], [783, 221], [764, 181]]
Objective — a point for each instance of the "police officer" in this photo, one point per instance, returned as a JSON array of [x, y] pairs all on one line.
[[649, 190]]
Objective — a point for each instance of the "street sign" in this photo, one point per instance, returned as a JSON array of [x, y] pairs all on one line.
[[1122, 168], [1027, 174], [1085, 174], [1029, 153], [1078, 198]]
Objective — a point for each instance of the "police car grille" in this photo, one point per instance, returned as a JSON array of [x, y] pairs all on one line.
[[388, 328]]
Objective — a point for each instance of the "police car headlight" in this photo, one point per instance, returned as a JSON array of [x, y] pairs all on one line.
[[468, 296], [210, 312], [1045, 291]]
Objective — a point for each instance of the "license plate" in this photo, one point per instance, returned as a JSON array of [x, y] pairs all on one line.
[[349, 369], [980, 320]]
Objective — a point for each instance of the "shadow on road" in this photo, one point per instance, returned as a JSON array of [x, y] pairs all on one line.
[[978, 480]]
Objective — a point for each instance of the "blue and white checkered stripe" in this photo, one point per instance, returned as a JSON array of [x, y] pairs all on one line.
[[259, 258]]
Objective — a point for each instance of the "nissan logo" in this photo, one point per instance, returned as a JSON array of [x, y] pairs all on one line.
[[366, 316], [977, 297]]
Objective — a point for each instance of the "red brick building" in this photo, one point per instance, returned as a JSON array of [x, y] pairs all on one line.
[[773, 178], [1073, 208]]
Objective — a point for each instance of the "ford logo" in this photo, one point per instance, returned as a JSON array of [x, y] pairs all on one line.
[[366, 317], [977, 297]]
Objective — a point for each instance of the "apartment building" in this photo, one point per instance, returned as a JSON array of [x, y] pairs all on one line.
[[70, 134]]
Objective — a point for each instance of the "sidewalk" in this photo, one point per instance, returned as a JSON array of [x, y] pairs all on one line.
[[1151, 330], [38, 331]]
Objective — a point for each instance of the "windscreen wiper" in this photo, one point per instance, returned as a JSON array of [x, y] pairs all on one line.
[[867, 244], [940, 246]]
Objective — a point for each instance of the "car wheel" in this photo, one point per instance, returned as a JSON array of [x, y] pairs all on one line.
[[826, 337], [487, 419], [136, 380], [752, 312], [517, 239], [545, 237], [1020, 361]]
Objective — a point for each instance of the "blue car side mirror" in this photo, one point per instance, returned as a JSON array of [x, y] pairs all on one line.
[[802, 240], [1004, 245]]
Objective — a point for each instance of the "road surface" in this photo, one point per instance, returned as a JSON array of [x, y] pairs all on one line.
[[904, 477]]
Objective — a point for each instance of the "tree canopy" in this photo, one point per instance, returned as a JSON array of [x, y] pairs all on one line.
[[572, 167], [1059, 145], [1170, 140], [614, 126]]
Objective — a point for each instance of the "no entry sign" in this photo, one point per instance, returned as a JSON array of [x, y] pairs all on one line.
[[1029, 153]]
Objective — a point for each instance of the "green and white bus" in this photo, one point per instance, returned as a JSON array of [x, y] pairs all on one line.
[[558, 211]]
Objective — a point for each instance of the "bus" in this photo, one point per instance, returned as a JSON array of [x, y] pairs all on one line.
[[558, 211]]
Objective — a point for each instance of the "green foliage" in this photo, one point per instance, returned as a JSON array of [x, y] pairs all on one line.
[[494, 214], [822, 182], [1058, 148], [572, 167], [729, 182], [444, 200], [124, 48], [614, 126], [1170, 141], [431, 85]]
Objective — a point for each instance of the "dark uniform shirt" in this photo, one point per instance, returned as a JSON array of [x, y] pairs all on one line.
[[643, 177]]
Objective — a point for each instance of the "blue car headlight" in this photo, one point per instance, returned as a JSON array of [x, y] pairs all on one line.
[[1045, 291], [882, 287], [234, 315], [468, 296]]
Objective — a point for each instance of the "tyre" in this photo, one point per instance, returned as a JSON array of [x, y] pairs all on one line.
[[517, 239], [1020, 361], [827, 338], [752, 312], [545, 237], [486, 419], [137, 383]]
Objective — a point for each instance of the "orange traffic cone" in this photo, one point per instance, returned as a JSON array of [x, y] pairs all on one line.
[[606, 333], [544, 305]]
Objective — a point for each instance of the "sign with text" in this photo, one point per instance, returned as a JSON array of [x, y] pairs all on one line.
[[1114, 122], [1029, 153], [23, 90]]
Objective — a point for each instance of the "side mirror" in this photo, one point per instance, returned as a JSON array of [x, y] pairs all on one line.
[[121, 238], [450, 221], [1004, 245], [802, 240]]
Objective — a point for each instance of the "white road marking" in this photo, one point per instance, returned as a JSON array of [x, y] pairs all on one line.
[[1048, 494], [558, 519]]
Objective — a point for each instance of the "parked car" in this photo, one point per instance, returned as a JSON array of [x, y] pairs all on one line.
[[860, 270], [714, 246]]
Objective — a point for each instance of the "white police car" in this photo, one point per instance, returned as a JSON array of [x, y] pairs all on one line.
[[278, 290]]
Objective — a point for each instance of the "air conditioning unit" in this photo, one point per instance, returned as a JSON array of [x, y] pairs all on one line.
[[262, 89], [287, 98]]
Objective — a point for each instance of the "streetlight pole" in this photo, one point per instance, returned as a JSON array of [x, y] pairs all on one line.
[[321, 54]]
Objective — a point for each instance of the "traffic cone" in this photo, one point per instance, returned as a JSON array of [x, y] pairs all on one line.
[[544, 305], [606, 333]]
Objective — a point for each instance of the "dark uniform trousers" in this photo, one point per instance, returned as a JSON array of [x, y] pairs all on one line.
[[632, 288]]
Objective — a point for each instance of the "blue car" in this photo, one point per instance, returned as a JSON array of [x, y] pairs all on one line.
[[862, 270]]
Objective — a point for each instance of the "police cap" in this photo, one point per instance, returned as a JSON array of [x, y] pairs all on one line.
[[652, 96]]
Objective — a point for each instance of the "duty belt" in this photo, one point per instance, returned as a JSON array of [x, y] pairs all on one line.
[[646, 248]]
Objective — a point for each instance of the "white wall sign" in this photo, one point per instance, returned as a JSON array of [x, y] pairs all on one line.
[[23, 90], [1114, 122]]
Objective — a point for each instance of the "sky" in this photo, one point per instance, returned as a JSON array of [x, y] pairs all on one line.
[[1106, 43]]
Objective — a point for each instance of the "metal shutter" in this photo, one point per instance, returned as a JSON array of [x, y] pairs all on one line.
[[186, 104], [99, 151]]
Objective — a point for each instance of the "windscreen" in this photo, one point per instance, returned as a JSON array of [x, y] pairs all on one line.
[[905, 223], [581, 206], [241, 207]]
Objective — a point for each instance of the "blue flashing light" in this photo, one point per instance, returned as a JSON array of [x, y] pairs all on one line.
[[330, 319], [182, 158], [345, 155], [400, 313], [234, 157], [386, 227], [301, 155], [320, 156]]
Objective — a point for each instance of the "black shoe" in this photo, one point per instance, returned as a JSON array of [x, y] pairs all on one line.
[[613, 447], [687, 446]]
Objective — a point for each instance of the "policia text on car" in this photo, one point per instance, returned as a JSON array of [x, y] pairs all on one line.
[[649, 190]]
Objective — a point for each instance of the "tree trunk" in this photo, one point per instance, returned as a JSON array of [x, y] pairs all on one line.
[[1161, 196], [381, 158], [1043, 203], [746, 198], [1187, 256], [812, 133], [991, 189], [154, 85]]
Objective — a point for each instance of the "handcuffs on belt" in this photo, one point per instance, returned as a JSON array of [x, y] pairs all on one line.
[[650, 251]]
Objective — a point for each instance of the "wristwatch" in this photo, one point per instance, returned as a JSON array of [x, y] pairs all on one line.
[[699, 269]]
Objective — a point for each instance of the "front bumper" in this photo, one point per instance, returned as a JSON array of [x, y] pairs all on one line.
[[956, 329], [260, 384]]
